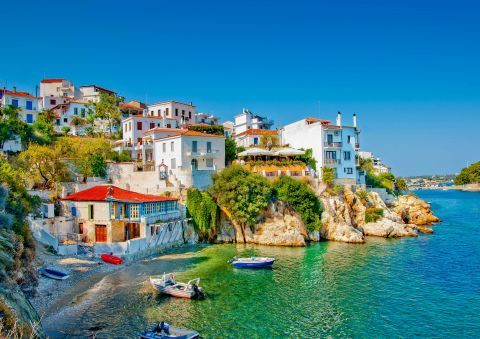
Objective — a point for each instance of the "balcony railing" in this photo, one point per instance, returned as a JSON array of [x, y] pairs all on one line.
[[331, 161], [333, 144], [203, 152]]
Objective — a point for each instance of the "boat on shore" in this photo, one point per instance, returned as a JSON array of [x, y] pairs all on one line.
[[252, 262], [111, 259], [53, 274], [164, 330], [168, 285]]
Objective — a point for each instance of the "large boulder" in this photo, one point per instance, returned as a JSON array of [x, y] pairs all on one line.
[[414, 210], [388, 228]]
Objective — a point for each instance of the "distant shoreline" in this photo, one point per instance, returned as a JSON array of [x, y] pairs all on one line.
[[465, 188]]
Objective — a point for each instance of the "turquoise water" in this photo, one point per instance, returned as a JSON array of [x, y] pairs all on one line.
[[427, 286]]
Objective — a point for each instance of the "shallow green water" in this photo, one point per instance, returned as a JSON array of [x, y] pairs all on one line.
[[427, 286]]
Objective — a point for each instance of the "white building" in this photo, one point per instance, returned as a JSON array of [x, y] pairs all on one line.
[[66, 112], [184, 114], [92, 92], [207, 119], [332, 145], [253, 137], [27, 103], [378, 165], [228, 127], [247, 120], [58, 87]]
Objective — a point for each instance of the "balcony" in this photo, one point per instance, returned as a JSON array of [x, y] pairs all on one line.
[[357, 146], [332, 144], [203, 153], [331, 162]]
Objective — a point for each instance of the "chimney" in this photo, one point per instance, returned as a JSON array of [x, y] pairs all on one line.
[[355, 120], [14, 89], [339, 119]]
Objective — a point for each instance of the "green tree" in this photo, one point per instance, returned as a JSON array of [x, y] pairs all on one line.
[[308, 158], [209, 129], [242, 193], [231, 150], [328, 175], [77, 123], [204, 212], [469, 175], [12, 127], [44, 127], [65, 130], [301, 198], [108, 108], [401, 185]]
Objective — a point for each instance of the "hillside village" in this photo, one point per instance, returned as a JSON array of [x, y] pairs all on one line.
[[114, 175]]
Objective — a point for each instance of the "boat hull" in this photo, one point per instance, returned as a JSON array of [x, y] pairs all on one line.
[[53, 274], [263, 264], [111, 259]]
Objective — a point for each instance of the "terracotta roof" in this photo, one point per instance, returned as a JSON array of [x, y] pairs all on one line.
[[149, 117], [109, 192], [18, 94], [177, 132], [258, 132], [316, 119], [79, 101], [51, 81], [130, 106]]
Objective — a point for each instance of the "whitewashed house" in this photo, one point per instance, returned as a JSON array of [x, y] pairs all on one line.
[[92, 92], [183, 113], [252, 137], [207, 119], [228, 127], [248, 120], [333, 145], [27, 103]]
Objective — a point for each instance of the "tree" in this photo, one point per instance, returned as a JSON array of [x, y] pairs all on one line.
[[90, 119], [231, 150], [328, 175], [65, 130], [301, 198], [108, 109], [204, 212], [45, 165], [269, 141], [78, 122], [12, 127], [308, 158], [469, 175], [244, 194], [43, 127], [208, 129], [401, 185]]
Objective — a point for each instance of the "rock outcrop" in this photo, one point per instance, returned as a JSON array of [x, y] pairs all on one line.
[[414, 210]]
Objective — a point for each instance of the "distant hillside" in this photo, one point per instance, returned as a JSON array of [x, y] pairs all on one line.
[[469, 175]]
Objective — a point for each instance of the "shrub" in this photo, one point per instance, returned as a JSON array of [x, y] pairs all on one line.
[[215, 129], [203, 210], [301, 198], [362, 195], [469, 175], [328, 175], [373, 214]]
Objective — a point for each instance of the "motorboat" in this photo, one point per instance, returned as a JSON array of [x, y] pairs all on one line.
[[252, 262], [167, 284], [111, 259], [164, 330], [53, 274]]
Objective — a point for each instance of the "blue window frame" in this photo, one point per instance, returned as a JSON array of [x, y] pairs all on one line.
[[255, 141], [29, 118], [194, 146], [29, 105], [14, 102]]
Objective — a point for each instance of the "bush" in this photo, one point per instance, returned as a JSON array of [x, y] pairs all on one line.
[[362, 195], [469, 175], [215, 129], [301, 198], [373, 214], [328, 175], [204, 212]]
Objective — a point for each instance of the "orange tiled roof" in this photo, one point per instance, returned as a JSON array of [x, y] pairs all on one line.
[[258, 132], [18, 94], [79, 101], [107, 192], [130, 106], [51, 81]]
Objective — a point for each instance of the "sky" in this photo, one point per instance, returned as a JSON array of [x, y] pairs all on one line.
[[409, 69]]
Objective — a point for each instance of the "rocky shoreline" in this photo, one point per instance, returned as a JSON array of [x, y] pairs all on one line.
[[344, 218]]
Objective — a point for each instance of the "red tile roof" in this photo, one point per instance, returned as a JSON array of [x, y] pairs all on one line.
[[149, 116], [177, 132], [109, 192], [17, 94], [130, 106], [258, 132], [51, 81]]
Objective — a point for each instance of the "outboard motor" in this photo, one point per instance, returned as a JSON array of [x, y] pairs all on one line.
[[198, 293]]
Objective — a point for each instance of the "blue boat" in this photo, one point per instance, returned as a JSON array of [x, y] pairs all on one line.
[[166, 331], [53, 274], [253, 262]]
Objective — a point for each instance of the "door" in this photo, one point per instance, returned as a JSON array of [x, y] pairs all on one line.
[[100, 233], [194, 164], [330, 138]]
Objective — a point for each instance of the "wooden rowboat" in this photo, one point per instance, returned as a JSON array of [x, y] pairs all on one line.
[[111, 259], [53, 274]]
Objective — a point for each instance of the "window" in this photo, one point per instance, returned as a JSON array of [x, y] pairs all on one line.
[[209, 162], [255, 141], [176, 112], [194, 146], [348, 170], [209, 147], [29, 105], [152, 125], [330, 138], [65, 120], [134, 211], [166, 111], [53, 102], [82, 112], [331, 155], [58, 89], [172, 146], [164, 147], [348, 138], [57, 122], [169, 126], [90, 212], [113, 207], [75, 111], [139, 141], [173, 163], [190, 115], [346, 155], [151, 113], [159, 112], [183, 112], [139, 125], [29, 118], [14, 102]]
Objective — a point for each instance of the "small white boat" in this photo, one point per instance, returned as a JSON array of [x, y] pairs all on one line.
[[252, 262], [164, 330], [168, 285]]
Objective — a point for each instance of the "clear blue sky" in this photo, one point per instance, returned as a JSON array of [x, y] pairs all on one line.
[[410, 69]]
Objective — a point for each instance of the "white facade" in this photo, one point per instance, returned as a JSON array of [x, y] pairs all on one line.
[[184, 114], [332, 145], [65, 114], [208, 119], [247, 120], [92, 92], [228, 128], [252, 137], [27, 103], [58, 88]]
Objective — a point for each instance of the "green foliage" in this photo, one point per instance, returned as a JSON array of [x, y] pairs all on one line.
[[373, 214], [11, 126], [43, 128], [401, 185], [108, 108], [66, 130], [204, 212], [209, 129], [336, 189], [96, 165], [382, 180], [328, 175], [362, 195], [122, 156], [231, 150], [366, 165], [279, 163], [469, 175], [301, 198], [244, 194], [308, 158]]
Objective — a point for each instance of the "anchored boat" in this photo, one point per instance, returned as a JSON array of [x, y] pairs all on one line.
[[168, 285], [53, 274], [164, 330], [253, 262]]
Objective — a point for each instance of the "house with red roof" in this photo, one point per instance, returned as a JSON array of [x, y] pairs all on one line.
[[107, 214], [253, 137], [26, 102]]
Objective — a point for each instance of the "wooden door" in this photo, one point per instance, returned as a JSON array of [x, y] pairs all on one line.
[[100, 233]]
